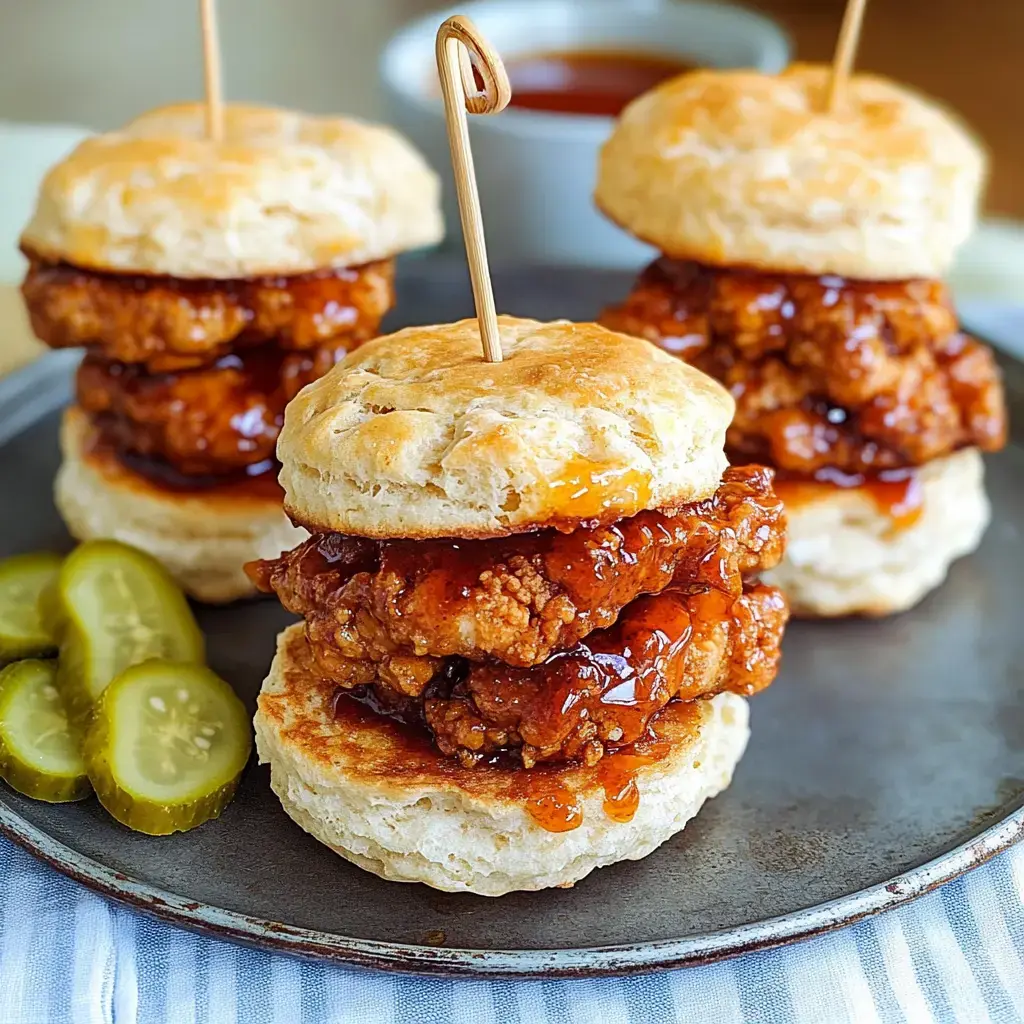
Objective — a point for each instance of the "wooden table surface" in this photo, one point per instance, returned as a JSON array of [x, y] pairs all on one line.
[[969, 53]]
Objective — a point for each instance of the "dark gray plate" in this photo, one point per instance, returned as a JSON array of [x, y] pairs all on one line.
[[888, 758]]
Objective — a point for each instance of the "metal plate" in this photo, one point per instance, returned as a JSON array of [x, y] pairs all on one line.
[[887, 758]]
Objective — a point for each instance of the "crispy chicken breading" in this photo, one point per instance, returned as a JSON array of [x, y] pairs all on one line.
[[858, 376], [606, 689], [171, 324]]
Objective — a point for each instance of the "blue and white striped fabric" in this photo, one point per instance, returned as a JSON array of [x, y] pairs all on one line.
[[69, 957]]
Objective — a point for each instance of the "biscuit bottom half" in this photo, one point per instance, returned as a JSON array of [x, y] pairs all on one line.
[[379, 794], [202, 537], [876, 550]]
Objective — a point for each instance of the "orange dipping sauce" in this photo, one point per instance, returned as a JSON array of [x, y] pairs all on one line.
[[598, 83]]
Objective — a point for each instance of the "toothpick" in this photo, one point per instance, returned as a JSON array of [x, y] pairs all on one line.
[[211, 71], [846, 50], [457, 38]]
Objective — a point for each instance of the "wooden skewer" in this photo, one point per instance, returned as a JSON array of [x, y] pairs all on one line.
[[211, 71], [457, 39], [846, 51]]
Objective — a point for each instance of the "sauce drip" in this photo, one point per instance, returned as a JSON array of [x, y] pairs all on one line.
[[598, 83], [589, 491], [550, 802], [258, 481], [618, 769], [617, 774], [898, 493], [557, 808]]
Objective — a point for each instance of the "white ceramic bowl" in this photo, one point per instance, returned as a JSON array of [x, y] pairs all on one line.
[[536, 169]]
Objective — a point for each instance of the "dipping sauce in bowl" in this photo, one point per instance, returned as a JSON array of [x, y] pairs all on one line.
[[600, 83]]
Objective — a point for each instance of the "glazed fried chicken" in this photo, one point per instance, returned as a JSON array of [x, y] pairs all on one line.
[[548, 645], [194, 375], [206, 422], [172, 324], [391, 609], [606, 689], [859, 376]]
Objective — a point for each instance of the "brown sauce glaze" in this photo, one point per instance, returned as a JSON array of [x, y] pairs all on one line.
[[860, 376], [211, 422], [605, 691], [170, 323], [256, 482], [897, 493], [520, 599]]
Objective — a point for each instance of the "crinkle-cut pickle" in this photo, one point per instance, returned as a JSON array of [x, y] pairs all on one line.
[[23, 631], [118, 607], [40, 749], [166, 746]]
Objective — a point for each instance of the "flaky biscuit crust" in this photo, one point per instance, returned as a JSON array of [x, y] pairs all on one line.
[[403, 811], [202, 538], [743, 168], [284, 193], [845, 556], [414, 435]]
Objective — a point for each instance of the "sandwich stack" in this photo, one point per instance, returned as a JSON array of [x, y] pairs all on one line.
[[803, 250]]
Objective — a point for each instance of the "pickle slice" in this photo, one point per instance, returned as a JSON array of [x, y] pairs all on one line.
[[166, 746], [40, 750], [119, 607], [50, 609], [23, 632]]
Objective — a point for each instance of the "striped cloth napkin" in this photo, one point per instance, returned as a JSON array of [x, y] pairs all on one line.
[[70, 957]]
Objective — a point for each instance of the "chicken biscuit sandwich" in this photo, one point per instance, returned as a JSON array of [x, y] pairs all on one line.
[[208, 281], [530, 602], [803, 252]]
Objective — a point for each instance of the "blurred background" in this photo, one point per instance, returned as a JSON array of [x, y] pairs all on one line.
[[94, 65], [100, 62]]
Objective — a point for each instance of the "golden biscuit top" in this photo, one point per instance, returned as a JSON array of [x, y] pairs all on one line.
[[415, 435], [283, 193], [748, 111], [748, 168]]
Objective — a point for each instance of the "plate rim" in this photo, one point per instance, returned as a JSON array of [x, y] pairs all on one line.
[[584, 962]]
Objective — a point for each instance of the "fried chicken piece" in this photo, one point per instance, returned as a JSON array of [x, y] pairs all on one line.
[[209, 422], [607, 688], [858, 376], [405, 604], [172, 324]]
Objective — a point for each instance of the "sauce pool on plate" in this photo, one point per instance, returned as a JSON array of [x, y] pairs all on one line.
[[599, 83]]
